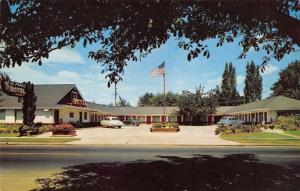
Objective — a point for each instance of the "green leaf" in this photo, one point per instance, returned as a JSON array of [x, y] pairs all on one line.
[[84, 42], [189, 57]]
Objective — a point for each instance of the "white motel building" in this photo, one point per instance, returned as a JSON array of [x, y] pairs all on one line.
[[63, 103]]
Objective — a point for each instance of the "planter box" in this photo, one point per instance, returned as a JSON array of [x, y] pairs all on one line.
[[164, 130]]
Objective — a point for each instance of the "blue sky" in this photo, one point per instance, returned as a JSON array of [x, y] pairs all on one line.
[[73, 66]]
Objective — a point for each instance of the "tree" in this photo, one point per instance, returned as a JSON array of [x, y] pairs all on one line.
[[2, 76], [253, 83], [258, 84], [228, 94], [289, 81], [123, 102], [225, 85], [146, 99], [29, 104], [232, 82], [195, 106], [149, 99], [129, 30]]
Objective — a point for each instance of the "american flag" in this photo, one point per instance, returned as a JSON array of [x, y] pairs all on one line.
[[158, 71]]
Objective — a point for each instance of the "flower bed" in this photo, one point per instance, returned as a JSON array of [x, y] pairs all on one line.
[[165, 127], [64, 129]]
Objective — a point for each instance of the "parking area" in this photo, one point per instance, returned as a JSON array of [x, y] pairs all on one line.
[[129, 135]]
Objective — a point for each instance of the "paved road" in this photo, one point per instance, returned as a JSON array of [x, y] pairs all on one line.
[[188, 135], [22, 164]]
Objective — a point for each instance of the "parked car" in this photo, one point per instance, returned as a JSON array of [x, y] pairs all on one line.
[[227, 121], [133, 122], [112, 122]]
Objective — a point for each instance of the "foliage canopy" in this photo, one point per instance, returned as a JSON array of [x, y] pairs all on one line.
[[126, 31]]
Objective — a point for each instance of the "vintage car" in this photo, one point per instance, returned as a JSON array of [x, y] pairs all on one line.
[[133, 122], [112, 122], [228, 121]]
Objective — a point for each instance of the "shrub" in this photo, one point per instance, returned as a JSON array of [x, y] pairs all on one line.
[[288, 122], [166, 125], [272, 126], [76, 124], [10, 129], [172, 125], [45, 128], [157, 125]]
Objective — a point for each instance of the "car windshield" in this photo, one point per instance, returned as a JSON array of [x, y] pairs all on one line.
[[114, 118]]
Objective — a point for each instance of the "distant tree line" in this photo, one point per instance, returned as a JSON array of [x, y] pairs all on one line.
[[226, 95]]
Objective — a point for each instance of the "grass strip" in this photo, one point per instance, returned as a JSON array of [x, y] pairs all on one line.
[[9, 134], [262, 138], [293, 133], [37, 140]]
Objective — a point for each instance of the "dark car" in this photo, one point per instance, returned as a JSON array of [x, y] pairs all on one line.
[[133, 122]]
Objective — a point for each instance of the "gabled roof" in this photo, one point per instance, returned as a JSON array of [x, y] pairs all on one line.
[[145, 110], [99, 107], [48, 95], [223, 110], [131, 110], [274, 103]]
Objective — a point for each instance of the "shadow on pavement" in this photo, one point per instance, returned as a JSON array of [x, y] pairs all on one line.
[[232, 172]]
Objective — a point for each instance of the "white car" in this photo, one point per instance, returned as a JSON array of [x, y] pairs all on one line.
[[112, 122], [230, 121]]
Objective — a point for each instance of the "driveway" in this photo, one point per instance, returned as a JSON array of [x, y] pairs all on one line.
[[188, 135]]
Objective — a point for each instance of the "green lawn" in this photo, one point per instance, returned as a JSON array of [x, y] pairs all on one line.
[[9, 134], [294, 133], [262, 138], [37, 140]]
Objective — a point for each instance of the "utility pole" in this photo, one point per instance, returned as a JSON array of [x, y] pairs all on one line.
[[164, 99], [115, 94]]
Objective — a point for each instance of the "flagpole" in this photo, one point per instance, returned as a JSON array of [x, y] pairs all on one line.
[[164, 97]]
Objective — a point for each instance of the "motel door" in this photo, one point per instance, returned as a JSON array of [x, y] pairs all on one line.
[[56, 116], [163, 119], [80, 117], [209, 119], [148, 119], [178, 119]]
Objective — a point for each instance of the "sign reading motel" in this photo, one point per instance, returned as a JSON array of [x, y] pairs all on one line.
[[13, 88]]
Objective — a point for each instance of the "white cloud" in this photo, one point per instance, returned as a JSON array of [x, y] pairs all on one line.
[[208, 74], [270, 69], [213, 82], [64, 56], [240, 79], [179, 82], [91, 87], [68, 75]]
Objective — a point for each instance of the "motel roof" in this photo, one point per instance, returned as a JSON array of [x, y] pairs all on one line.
[[279, 103], [48, 96], [131, 110]]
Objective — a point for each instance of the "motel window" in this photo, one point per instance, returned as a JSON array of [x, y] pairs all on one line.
[[71, 115], [20, 99], [2, 114], [19, 115], [85, 115], [172, 119], [142, 119], [156, 119], [74, 95]]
